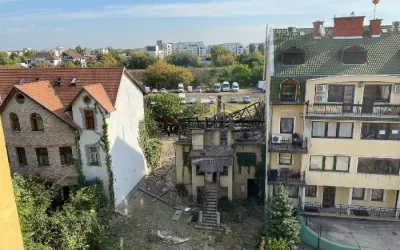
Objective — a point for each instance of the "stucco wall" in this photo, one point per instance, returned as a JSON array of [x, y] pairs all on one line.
[[287, 111], [182, 172], [10, 232], [295, 166], [56, 134], [212, 137]]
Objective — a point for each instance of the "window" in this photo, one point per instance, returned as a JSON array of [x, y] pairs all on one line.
[[311, 191], [341, 93], [293, 191], [377, 195], [330, 163], [354, 55], [225, 171], [289, 89], [14, 122], [20, 98], [332, 130], [89, 119], [93, 156], [42, 157], [287, 125], [378, 166], [358, 193], [285, 159], [376, 93], [66, 156], [380, 131], [21, 156], [198, 172], [36, 122], [293, 56]]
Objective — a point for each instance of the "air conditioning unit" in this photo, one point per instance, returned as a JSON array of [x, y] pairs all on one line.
[[320, 98], [321, 88], [291, 29], [397, 88], [396, 25], [277, 138]]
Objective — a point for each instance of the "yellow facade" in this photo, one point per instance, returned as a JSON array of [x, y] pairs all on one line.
[[10, 233], [354, 147]]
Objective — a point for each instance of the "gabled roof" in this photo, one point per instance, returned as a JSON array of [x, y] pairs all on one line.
[[110, 78], [323, 56], [97, 92], [73, 54], [43, 94], [45, 55]]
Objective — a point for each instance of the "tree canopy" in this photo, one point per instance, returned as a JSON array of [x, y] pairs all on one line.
[[80, 50], [224, 60], [184, 59], [140, 60], [161, 74], [252, 48], [218, 50], [67, 64]]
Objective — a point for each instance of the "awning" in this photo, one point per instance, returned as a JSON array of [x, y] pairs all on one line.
[[212, 164]]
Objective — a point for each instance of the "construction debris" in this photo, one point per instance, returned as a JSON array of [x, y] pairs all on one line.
[[177, 215], [171, 239], [158, 197], [155, 196]]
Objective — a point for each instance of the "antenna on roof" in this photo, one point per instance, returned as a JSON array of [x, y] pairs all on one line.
[[352, 13], [375, 2]]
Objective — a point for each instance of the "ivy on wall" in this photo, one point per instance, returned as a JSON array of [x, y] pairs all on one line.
[[147, 139], [78, 162], [246, 159]]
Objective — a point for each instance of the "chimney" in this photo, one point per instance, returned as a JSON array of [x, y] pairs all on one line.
[[375, 27], [317, 25], [348, 27]]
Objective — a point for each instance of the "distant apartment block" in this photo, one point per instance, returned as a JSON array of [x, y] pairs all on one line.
[[95, 52], [236, 48]]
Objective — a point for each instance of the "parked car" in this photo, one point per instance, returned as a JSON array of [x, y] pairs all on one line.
[[246, 99], [192, 100], [163, 91], [212, 99], [147, 89], [208, 90], [233, 99], [198, 89], [154, 91]]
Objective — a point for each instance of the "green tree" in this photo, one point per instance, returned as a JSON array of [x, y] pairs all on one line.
[[218, 50], [148, 133], [162, 74], [29, 53], [224, 60], [165, 108], [252, 48], [195, 110], [184, 59], [94, 64], [80, 50], [253, 59], [256, 75], [241, 74], [275, 244], [261, 48], [108, 60], [41, 65], [4, 59], [68, 64], [140, 60], [279, 220]]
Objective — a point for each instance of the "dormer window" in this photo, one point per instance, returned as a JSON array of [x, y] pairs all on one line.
[[293, 56], [354, 55], [288, 90]]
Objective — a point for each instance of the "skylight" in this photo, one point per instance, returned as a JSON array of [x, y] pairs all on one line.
[[354, 55]]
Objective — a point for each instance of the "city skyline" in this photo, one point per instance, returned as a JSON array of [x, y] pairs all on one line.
[[122, 24]]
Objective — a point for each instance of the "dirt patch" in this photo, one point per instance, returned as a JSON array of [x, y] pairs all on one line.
[[146, 219]]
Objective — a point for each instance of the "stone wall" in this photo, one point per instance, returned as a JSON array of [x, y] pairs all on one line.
[[56, 134]]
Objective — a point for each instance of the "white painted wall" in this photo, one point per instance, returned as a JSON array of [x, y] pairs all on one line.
[[90, 137], [128, 162]]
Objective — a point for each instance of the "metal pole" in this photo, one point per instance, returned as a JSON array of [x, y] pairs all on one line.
[[267, 105]]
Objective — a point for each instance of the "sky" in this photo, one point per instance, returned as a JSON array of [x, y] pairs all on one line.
[[41, 24]]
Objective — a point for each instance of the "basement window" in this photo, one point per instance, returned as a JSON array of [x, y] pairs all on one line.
[[354, 55], [293, 56]]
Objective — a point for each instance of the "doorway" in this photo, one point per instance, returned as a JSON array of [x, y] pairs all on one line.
[[252, 188], [329, 196]]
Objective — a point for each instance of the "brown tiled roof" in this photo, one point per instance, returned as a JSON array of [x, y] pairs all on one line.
[[43, 93], [73, 54], [97, 92], [110, 78], [45, 55]]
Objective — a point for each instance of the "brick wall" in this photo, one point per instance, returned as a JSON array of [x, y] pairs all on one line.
[[348, 26], [56, 134]]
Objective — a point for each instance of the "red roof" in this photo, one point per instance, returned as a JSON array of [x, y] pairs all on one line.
[[110, 79], [97, 92]]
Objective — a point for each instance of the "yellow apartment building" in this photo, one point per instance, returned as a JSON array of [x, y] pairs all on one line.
[[335, 117], [10, 233]]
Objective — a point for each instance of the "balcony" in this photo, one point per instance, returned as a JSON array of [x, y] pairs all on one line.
[[289, 146], [286, 178], [353, 111], [351, 211]]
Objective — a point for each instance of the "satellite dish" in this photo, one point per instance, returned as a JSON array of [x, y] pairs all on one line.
[[322, 30]]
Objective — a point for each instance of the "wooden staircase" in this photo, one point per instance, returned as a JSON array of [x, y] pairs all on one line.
[[210, 216]]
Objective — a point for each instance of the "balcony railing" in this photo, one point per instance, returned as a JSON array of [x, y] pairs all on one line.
[[289, 146], [276, 177], [353, 110], [350, 210]]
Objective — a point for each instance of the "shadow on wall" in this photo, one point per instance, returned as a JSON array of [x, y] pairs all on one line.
[[128, 165]]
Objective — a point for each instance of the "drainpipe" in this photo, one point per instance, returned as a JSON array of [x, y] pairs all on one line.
[[397, 200]]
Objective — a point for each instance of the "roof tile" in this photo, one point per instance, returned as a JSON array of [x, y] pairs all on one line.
[[97, 92]]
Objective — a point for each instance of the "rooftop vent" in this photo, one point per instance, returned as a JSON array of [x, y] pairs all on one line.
[[21, 81], [384, 31], [37, 79], [58, 81], [73, 81], [396, 25], [302, 33]]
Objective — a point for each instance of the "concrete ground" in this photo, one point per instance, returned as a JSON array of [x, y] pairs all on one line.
[[368, 235]]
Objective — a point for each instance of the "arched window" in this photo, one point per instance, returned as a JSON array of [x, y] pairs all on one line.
[[14, 122], [37, 122], [293, 56], [289, 90], [354, 55]]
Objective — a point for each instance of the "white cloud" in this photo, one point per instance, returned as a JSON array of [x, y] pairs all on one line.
[[224, 8]]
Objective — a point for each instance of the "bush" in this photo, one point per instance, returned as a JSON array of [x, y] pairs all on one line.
[[181, 189]]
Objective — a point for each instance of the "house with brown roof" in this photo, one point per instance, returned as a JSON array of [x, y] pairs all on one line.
[[56, 122], [73, 56], [44, 57]]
